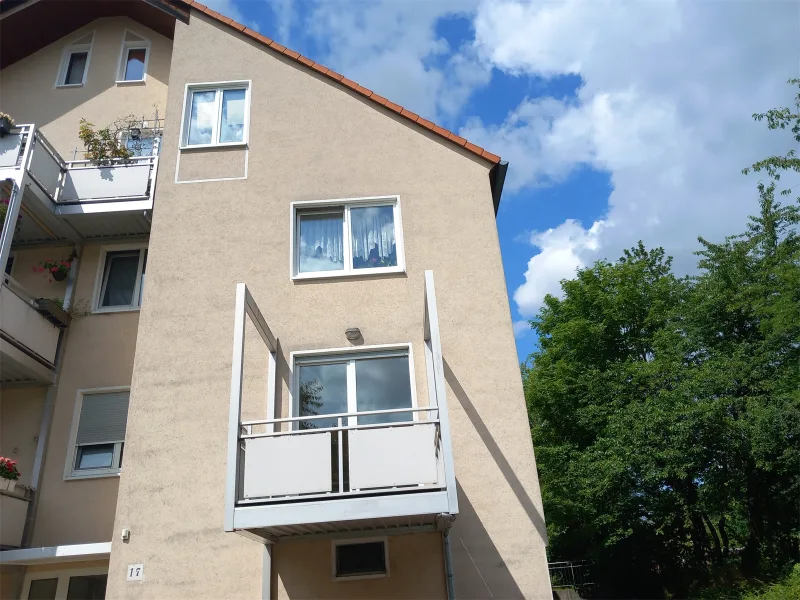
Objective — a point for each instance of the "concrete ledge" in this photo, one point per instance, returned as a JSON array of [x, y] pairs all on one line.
[[55, 554]]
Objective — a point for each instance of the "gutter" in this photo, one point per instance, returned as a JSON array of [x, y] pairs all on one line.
[[497, 178]]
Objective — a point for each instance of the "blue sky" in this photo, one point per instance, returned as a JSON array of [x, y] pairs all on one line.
[[621, 120]]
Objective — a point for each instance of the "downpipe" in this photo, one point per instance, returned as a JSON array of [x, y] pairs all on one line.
[[446, 521]]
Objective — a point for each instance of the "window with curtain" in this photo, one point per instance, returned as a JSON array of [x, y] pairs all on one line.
[[100, 435], [216, 115], [133, 62], [123, 279], [352, 238]]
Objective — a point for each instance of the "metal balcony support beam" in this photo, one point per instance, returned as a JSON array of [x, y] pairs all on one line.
[[7, 235], [436, 382], [245, 307]]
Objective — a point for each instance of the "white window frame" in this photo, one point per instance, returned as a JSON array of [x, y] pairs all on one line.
[[338, 355], [64, 65], [219, 87], [99, 284], [345, 204], [70, 472], [63, 576], [127, 45], [351, 542]]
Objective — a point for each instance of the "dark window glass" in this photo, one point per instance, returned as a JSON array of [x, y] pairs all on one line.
[[120, 278], [98, 456], [87, 587], [383, 384], [75, 68], [368, 558], [43, 589], [323, 391]]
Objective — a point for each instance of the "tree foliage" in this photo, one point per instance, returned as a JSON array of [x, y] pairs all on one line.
[[665, 411]]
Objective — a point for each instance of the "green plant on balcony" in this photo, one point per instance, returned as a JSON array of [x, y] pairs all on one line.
[[4, 210], [102, 146], [54, 269], [79, 308], [8, 473], [6, 123]]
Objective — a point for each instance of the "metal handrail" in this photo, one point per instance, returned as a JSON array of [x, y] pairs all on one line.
[[365, 413], [247, 436]]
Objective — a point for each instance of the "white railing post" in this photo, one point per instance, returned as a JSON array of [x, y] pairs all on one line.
[[341, 433], [235, 410], [433, 344]]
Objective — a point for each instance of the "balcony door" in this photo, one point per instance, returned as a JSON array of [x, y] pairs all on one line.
[[354, 383]]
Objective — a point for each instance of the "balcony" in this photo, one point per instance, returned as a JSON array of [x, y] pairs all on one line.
[[364, 472], [13, 512], [28, 336], [78, 199]]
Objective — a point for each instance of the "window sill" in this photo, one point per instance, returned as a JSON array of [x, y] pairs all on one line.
[[69, 85], [97, 475], [212, 146], [348, 274], [116, 309], [124, 82]]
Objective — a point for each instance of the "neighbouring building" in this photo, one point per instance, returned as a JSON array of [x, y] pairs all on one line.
[[269, 354]]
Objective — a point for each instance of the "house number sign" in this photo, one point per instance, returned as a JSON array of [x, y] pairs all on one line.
[[135, 572]]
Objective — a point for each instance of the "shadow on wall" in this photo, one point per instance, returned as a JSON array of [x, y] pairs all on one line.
[[480, 572], [497, 454]]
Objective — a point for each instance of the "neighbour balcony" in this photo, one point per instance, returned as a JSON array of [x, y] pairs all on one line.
[[75, 199], [29, 330], [387, 471], [13, 512]]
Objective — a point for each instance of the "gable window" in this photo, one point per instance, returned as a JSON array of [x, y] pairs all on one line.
[[75, 63], [216, 115], [351, 382], [347, 237], [360, 559], [121, 280], [101, 418]]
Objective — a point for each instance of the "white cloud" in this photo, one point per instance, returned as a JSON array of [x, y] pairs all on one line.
[[521, 328], [665, 108], [393, 48]]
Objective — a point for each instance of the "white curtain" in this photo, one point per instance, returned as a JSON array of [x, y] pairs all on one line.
[[373, 232], [321, 243]]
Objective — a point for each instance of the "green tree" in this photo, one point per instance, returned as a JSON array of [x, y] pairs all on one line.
[[665, 412]]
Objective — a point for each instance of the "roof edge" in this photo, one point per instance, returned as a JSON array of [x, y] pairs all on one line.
[[352, 85]]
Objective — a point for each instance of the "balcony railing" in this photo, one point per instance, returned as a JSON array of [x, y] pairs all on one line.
[[24, 327], [326, 463], [67, 183], [13, 512], [313, 475]]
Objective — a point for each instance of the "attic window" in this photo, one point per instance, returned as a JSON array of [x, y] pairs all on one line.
[[75, 63], [216, 114], [133, 59]]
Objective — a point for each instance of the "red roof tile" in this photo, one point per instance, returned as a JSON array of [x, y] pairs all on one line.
[[369, 94]]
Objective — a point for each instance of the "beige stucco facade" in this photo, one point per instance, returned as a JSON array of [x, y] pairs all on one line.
[[312, 140], [29, 94], [309, 139]]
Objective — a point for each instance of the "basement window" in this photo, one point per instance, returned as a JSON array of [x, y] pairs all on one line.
[[363, 559]]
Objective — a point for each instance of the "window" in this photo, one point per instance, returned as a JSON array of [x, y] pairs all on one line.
[[67, 584], [134, 64], [121, 280], [216, 115], [355, 237], [100, 421], [360, 559], [349, 382], [75, 63], [142, 141]]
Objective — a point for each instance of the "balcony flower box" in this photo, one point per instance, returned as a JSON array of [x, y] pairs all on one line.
[[8, 474]]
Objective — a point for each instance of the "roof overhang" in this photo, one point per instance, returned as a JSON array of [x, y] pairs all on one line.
[[26, 27]]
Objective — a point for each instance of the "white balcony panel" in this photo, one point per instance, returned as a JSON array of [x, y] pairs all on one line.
[[19, 320], [45, 169], [394, 456], [89, 183], [287, 465], [9, 150], [12, 520]]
